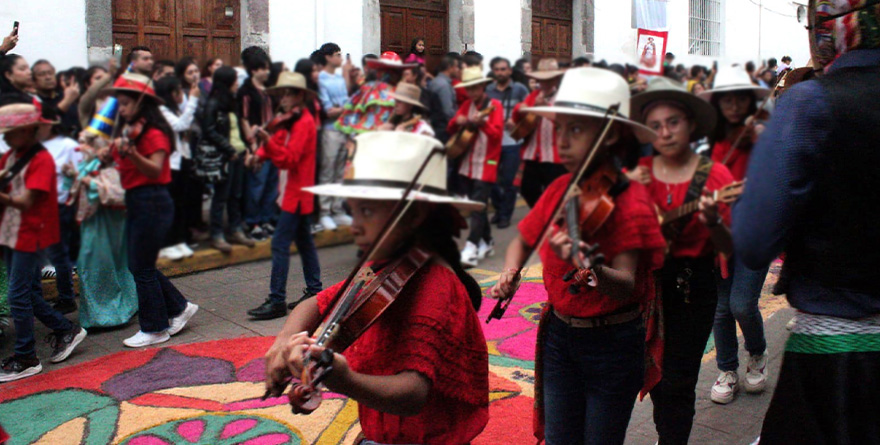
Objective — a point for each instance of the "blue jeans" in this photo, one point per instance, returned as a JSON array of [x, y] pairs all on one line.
[[738, 302], [293, 228], [59, 253], [228, 195], [591, 379], [150, 212], [261, 191], [26, 300], [504, 192]]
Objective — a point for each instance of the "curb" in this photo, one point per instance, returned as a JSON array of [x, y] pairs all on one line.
[[208, 258]]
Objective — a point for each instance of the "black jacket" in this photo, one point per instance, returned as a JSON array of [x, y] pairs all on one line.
[[215, 126]]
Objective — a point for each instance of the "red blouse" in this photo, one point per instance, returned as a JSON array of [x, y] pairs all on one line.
[[632, 226], [431, 329], [738, 161], [293, 151], [151, 141], [481, 161], [694, 240]]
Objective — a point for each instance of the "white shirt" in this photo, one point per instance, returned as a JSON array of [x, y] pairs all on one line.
[[63, 150], [179, 124]]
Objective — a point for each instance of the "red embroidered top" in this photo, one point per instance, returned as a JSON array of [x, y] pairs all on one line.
[[481, 161], [738, 161], [431, 329], [293, 151], [633, 225], [694, 240], [541, 145], [460, 93], [37, 227], [151, 141]]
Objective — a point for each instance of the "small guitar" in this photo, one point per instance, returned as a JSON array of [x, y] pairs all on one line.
[[525, 127], [462, 141], [409, 124], [726, 195]]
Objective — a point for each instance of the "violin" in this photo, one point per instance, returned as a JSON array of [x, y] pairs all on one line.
[[592, 208], [130, 132], [276, 123]]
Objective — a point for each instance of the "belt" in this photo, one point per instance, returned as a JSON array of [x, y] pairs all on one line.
[[597, 322]]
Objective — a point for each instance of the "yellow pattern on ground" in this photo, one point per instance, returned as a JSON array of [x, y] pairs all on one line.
[[70, 432]]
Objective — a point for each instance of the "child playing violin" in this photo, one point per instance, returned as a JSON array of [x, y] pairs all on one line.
[[420, 372], [291, 147], [591, 347]]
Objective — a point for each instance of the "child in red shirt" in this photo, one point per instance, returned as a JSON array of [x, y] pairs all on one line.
[[29, 225], [291, 147], [420, 372]]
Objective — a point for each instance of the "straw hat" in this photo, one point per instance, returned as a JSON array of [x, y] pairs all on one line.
[[665, 89], [471, 76], [408, 93], [384, 164], [137, 84], [289, 80], [389, 59], [17, 116], [734, 78], [547, 69], [591, 92]]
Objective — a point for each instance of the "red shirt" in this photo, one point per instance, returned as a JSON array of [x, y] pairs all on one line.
[[632, 226], [37, 227], [541, 145], [738, 161], [431, 329], [293, 151], [151, 141], [460, 93], [481, 161], [694, 240]]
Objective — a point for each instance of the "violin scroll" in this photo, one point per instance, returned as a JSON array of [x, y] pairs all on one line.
[[306, 397]]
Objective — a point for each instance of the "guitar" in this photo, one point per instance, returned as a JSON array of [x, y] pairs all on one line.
[[525, 127], [726, 195], [462, 141]]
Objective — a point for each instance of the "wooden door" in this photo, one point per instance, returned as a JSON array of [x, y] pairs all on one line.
[[173, 29], [404, 20], [551, 30]]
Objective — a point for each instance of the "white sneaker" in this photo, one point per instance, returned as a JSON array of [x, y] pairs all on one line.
[[178, 322], [327, 222], [469, 255], [171, 253], [185, 250], [486, 249], [142, 339], [317, 228], [49, 272], [724, 389], [756, 374], [342, 220]]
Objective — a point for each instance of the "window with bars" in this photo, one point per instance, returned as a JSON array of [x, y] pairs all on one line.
[[704, 28]]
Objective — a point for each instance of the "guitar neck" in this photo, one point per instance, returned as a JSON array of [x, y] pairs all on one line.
[[681, 212]]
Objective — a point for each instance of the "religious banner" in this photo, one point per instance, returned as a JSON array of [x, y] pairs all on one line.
[[650, 50]]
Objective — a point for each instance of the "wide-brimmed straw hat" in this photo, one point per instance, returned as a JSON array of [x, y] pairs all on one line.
[[665, 89], [385, 162], [547, 69], [17, 116], [734, 78], [471, 76], [591, 92], [137, 84], [290, 80], [389, 59], [408, 93]]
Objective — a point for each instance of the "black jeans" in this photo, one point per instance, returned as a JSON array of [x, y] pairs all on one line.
[[59, 254], [537, 176], [148, 219], [478, 191], [228, 195], [504, 191], [688, 318]]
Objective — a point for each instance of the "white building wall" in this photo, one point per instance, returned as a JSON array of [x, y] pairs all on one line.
[[49, 29], [498, 29], [296, 28], [615, 38]]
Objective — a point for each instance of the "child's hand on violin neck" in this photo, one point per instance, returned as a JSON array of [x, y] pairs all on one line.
[[277, 373], [301, 345]]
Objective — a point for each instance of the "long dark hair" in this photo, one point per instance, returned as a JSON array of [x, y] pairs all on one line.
[[412, 46], [206, 71], [305, 67], [165, 88], [150, 113], [223, 79], [6, 65], [720, 132], [86, 79], [180, 71]]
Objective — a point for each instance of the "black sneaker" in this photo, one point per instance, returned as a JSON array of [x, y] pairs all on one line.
[[495, 218], [269, 310], [14, 368], [306, 295], [64, 342], [64, 305], [503, 223], [269, 229], [257, 233]]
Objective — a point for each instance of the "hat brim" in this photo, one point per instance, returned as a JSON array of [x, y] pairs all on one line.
[[760, 92], [407, 100], [644, 133], [379, 63], [115, 90], [390, 194], [32, 124], [473, 82], [280, 89], [704, 113], [545, 75]]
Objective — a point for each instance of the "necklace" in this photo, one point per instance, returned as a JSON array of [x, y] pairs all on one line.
[[670, 180]]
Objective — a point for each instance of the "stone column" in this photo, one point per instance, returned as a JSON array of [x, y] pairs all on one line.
[[255, 23], [526, 34], [99, 31], [461, 25], [372, 27], [582, 27]]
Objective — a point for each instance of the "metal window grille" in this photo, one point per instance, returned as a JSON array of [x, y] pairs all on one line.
[[704, 28]]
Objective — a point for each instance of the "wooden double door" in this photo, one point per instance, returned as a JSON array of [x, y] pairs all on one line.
[[551, 30], [173, 29], [404, 20]]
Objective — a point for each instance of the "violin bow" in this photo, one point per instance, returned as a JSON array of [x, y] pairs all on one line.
[[763, 107], [573, 183]]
